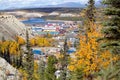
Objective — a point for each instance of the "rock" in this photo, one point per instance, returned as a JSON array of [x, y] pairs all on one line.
[[8, 72], [10, 27]]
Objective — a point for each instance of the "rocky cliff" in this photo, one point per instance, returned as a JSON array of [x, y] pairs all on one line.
[[7, 72], [10, 27]]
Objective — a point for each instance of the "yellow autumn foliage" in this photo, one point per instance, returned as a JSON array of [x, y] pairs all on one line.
[[32, 42], [20, 40], [14, 48], [11, 46], [24, 74], [89, 58], [39, 41], [36, 74]]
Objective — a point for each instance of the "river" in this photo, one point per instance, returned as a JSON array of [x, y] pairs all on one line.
[[33, 21]]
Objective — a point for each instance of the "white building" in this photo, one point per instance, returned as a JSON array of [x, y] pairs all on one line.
[[36, 29], [49, 28], [57, 74]]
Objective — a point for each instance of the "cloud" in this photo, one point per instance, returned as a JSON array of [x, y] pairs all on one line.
[[8, 4]]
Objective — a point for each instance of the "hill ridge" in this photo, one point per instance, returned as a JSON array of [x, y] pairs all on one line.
[[10, 26]]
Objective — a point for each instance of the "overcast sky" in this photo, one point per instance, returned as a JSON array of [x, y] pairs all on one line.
[[7, 4]]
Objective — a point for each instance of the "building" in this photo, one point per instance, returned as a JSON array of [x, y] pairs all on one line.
[[71, 50], [37, 29], [37, 54]]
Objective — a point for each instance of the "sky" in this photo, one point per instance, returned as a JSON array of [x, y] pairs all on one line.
[[8, 4]]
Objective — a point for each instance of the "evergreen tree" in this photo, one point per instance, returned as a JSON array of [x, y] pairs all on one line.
[[90, 13], [41, 70], [111, 31], [50, 69], [30, 59], [3, 39], [64, 62], [76, 75], [20, 61], [7, 56], [27, 41], [1, 54], [111, 27]]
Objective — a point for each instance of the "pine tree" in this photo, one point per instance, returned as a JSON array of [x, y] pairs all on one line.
[[64, 61], [3, 39], [30, 59], [111, 28], [90, 13], [20, 61], [27, 41], [50, 69], [111, 31], [41, 70], [7, 56]]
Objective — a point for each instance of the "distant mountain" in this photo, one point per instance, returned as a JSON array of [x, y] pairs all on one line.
[[74, 5], [68, 4], [98, 3]]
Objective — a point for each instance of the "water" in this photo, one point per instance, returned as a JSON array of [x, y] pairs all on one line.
[[33, 21]]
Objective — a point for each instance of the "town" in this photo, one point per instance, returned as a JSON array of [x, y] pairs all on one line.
[[58, 31]]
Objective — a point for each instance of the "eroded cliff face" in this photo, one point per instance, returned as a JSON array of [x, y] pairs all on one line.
[[10, 27], [7, 72]]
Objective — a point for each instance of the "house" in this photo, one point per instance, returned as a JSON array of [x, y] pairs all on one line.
[[37, 54], [61, 44], [57, 73], [59, 38], [71, 50], [51, 27], [37, 29], [45, 33], [71, 37]]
